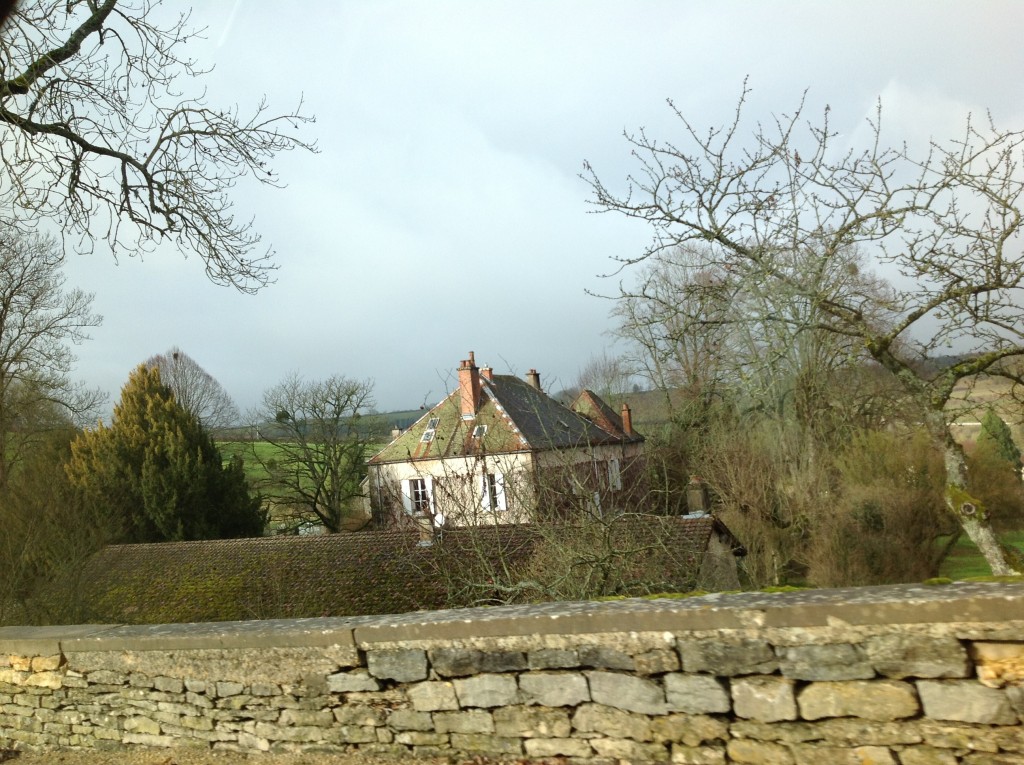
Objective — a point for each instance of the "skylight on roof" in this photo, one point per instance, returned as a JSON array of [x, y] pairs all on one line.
[[479, 430], [427, 437], [433, 423]]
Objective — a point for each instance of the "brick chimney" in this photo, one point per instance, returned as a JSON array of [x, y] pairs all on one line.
[[533, 378], [469, 387], [488, 373], [627, 420]]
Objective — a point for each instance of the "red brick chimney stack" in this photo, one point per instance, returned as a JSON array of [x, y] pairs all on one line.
[[488, 373], [469, 387], [627, 420], [533, 378]]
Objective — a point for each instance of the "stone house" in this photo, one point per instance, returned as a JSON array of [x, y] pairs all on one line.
[[498, 449]]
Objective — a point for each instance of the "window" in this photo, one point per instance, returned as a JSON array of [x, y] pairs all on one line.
[[614, 475], [479, 430], [428, 434], [418, 495], [493, 494]]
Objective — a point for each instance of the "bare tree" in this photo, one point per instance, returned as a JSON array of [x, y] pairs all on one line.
[[317, 451], [195, 389], [100, 139], [607, 376], [39, 321], [786, 206]]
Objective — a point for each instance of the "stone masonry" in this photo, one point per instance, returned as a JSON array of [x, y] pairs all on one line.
[[903, 675]]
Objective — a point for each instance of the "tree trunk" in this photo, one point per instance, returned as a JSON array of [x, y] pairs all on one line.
[[970, 512]]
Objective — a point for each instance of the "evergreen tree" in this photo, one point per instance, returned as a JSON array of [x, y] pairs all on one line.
[[159, 473], [996, 437]]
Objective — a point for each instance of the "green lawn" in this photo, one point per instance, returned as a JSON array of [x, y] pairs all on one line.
[[964, 560]]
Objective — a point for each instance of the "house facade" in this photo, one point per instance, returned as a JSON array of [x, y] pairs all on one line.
[[498, 450]]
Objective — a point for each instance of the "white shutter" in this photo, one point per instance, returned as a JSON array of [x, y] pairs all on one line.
[[430, 493], [407, 496], [485, 497], [499, 490], [614, 474]]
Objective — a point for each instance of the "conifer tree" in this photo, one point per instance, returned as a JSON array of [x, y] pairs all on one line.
[[159, 473], [996, 437]]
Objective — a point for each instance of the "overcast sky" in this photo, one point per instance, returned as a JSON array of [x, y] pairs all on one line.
[[444, 212]]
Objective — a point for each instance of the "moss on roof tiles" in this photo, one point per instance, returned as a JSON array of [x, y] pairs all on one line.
[[517, 417]]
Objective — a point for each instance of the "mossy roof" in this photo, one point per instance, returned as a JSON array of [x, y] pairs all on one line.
[[516, 417], [351, 574]]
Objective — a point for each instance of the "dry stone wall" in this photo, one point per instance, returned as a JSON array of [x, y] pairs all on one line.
[[893, 675]]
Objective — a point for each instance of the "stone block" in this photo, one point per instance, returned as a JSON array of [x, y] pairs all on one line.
[[142, 725], [698, 755], [531, 722], [882, 700], [455, 662], [604, 657], [965, 701], [351, 734], [300, 733], [984, 758], [145, 739], [553, 658], [629, 750], [487, 691], [764, 698], [609, 721], [626, 692], [433, 696], [421, 738], [804, 754], [478, 742], [406, 665], [997, 663], [226, 689], [51, 680], [410, 719], [468, 721], [503, 661], [656, 662], [831, 661], [557, 747], [359, 714], [169, 684], [899, 655], [46, 663], [554, 689], [758, 753], [927, 755], [351, 682], [696, 694], [322, 717], [690, 730], [728, 658]]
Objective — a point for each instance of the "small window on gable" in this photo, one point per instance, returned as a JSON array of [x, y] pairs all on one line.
[[479, 430]]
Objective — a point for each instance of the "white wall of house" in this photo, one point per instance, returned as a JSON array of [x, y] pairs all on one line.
[[500, 488]]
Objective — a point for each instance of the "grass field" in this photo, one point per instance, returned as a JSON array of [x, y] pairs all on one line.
[[964, 560]]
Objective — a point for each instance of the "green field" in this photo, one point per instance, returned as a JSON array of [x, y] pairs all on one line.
[[965, 561]]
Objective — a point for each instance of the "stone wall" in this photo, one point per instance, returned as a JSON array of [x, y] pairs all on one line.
[[908, 675]]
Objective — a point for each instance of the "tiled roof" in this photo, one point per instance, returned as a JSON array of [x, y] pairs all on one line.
[[593, 407], [516, 417], [359, 573]]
